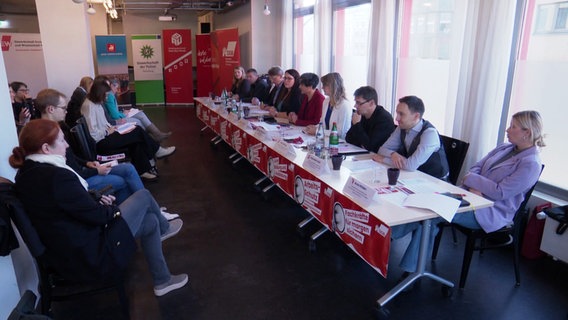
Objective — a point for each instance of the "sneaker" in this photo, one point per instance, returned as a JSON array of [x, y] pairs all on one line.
[[148, 176], [176, 282], [175, 227], [169, 216], [165, 152]]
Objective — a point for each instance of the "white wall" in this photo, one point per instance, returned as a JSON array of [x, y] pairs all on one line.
[[66, 43], [266, 40]]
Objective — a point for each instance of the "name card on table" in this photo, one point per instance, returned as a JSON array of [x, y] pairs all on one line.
[[360, 191], [316, 164], [243, 123], [285, 148], [233, 117]]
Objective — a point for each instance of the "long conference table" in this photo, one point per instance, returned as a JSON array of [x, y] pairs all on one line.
[[361, 221]]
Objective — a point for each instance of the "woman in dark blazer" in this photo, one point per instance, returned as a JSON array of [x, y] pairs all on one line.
[[85, 239], [290, 97]]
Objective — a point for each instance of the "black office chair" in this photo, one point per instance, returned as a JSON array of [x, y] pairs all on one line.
[[513, 232], [52, 285], [456, 150], [86, 145]]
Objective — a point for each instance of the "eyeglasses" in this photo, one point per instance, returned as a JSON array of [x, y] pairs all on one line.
[[62, 107], [358, 103], [288, 78], [24, 90]]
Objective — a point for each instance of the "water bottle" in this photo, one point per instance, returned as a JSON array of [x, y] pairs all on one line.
[[334, 140], [320, 141]]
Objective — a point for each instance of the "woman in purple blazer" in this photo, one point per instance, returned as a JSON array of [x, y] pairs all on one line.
[[503, 176]]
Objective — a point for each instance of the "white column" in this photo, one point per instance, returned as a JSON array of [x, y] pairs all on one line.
[[66, 39]]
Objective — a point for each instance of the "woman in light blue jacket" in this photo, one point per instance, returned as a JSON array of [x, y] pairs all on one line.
[[503, 176]]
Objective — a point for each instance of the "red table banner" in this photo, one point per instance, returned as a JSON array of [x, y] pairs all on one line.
[[281, 172], [178, 69], [204, 76], [257, 154], [239, 140], [362, 232], [314, 196]]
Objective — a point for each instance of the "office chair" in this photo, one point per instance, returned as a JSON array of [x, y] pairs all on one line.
[[52, 285], [514, 233], [87, 145], [456, 150]]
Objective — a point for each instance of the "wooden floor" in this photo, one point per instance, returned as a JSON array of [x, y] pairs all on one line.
[[246, 260]]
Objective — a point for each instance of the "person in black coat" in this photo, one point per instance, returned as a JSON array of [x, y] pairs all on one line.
[[86, 240], [258, 88], [371, 124], [76, 101]]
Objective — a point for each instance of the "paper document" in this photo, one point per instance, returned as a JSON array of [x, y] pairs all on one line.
[[125, 128], [132, 112], [359, 165], [444, 206]]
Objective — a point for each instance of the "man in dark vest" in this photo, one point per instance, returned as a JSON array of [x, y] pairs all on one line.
[[415, 144]]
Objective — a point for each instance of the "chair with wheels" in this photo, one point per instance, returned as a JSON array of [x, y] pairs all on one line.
[[52, 285], [479, 240]]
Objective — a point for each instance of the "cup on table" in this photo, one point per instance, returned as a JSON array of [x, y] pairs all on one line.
[[336, 161], [392, 174]]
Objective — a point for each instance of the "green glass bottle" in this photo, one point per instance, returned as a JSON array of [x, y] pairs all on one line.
[[333, 140]]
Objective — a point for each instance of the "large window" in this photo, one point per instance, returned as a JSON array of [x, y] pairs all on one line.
[[304, 28], [351, 25], [540, 81], [424, 58]]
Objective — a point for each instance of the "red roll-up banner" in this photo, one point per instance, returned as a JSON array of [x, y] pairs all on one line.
[[204, 76], [225, 56], [178, 71]]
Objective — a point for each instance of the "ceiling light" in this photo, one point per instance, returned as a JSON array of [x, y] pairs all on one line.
[[78, 1], [91, 10], [266, 10]]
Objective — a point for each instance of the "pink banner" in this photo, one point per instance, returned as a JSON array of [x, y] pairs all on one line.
[[178, 71], [205, 83], [225, 56]]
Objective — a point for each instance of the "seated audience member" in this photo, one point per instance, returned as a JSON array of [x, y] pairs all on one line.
[[415, 144], [73, 225], [289, 98], [22, 104], [241, 85], [141, 147], [76, 101], [276, 76], [504, 175], [122, 177], [336, 107], [258, 88], [312, 102], [371, 124], [135, 116]]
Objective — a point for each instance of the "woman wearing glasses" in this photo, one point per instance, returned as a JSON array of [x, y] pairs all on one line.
[[290, 97], [22, 104]]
